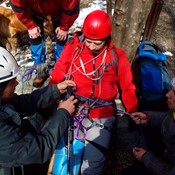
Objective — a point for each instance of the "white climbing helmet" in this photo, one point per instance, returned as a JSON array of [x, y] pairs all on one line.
[[9, 68]]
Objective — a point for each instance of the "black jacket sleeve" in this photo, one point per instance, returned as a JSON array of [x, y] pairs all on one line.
[[18, 147], [40, 100], [20, 144]]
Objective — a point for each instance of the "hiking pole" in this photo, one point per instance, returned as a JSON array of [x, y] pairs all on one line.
[[68, 147], [69, 93]]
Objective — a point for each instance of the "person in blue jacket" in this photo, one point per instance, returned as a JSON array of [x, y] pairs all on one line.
[[165, 121], [31, 125]]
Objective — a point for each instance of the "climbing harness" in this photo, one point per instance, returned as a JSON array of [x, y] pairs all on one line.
[[28, 73], [85, 104]]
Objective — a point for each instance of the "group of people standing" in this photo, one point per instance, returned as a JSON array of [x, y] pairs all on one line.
[[33, 124]]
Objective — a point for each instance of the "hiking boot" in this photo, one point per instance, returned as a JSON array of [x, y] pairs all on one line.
[[39, 81]]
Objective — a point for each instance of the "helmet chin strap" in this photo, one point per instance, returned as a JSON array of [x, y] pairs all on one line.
[[2, 87]]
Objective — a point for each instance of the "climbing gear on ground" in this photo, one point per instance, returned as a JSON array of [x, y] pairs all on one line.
[[28, 73]]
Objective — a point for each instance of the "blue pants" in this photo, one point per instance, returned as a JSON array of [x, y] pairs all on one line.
[[38, 47]]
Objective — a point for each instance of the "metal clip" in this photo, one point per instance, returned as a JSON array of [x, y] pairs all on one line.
[[79, 110], [101, 126]]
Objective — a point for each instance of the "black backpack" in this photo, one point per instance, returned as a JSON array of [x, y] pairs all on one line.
[[151, 77]]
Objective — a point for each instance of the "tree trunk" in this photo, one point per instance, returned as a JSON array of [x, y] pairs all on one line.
[[128, 22]]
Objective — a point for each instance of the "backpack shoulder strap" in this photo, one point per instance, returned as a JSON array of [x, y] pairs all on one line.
[[115, 59], [80, 37]]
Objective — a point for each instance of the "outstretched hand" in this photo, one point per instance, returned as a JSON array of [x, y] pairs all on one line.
[[138, 153], [139, 118], [62, 87], [68, 104]]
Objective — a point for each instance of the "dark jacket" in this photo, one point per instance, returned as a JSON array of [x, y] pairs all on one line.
[[162, 166], [27, 134]]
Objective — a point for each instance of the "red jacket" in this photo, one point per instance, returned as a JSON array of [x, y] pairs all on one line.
[[110, 83], [68, 10]]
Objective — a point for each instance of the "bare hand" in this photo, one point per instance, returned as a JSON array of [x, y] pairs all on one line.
[[34, 33], [68, 104], [138, 153], [61, 34], [62, 87], [139, 118]]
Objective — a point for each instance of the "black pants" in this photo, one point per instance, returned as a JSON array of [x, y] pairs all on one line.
[[136, 169], [33, 169]]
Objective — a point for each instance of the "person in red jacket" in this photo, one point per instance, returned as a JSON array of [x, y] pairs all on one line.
[[33, 13], [100, 71]]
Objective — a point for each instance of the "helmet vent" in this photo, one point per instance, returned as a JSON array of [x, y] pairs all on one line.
[[5, 58]]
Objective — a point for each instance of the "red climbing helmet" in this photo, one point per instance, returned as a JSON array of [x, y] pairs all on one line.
[[97, 25]]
